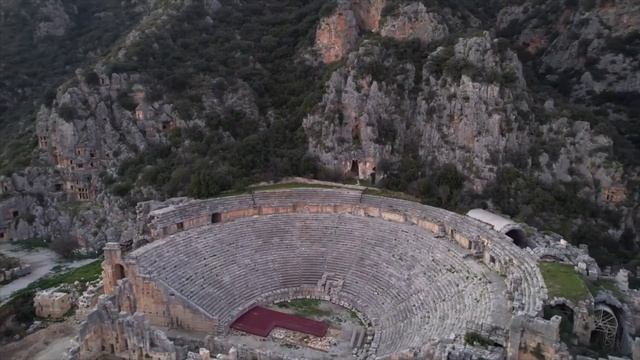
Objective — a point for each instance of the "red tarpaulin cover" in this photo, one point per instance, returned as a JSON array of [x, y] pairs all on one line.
[[260, 321]]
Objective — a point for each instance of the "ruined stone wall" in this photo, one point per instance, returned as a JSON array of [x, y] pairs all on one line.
[[52, 304], [139, 292], [136, 292], [109, 332], [536, 339]]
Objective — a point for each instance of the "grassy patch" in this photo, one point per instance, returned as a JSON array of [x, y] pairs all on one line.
[[391, 194], [90, 272], [286, 186], [21, 302], [31, 244], [280, 186], [475, 339], [600, 285], [355, 317], [563, 281], [304, 307]]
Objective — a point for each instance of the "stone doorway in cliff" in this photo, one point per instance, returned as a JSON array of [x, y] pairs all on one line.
[[355, 169], [118, 272], [372, 176]]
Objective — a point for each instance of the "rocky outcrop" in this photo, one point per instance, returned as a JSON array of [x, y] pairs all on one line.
[[455, 118], [92, 127], [413, 21], [39, 208], [584, 155], [337, 34], [587, 50], [369, 13], [23, 213]]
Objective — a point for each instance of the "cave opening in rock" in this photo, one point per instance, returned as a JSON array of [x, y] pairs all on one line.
[[355, 168]]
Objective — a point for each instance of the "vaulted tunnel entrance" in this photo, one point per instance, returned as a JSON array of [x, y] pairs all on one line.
[[567, 315], [355, 169], [519, 238], [118, 272], [607, 330], [216, 218]]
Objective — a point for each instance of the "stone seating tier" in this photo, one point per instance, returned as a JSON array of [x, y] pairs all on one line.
[[413, 286], [401, 276]]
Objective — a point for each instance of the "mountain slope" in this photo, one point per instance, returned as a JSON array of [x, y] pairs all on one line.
[[462, 104]]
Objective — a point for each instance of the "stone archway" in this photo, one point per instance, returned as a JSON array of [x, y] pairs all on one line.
[[606, 328], [519, 237], [118, 272], [567, 314]]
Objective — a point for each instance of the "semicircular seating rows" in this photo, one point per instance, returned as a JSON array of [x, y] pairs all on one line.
[[412, 284]]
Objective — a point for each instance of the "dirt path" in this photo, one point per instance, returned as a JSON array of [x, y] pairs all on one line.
[[41, 260]]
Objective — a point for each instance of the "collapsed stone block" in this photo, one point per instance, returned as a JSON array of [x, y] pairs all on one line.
[[52, 304]]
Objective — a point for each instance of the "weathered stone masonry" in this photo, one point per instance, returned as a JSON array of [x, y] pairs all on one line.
[[143, 290]]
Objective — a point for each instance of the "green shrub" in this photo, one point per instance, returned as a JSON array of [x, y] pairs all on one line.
[[92, 79], [475, 339], [194, 57], [67, 112], [122, 189], [126, 101]]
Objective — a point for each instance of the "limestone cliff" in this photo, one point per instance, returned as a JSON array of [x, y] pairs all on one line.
[[482, 102], [371, 88], [337, 34], [413, 21], [588, 51], [370, 117], [369, 13]]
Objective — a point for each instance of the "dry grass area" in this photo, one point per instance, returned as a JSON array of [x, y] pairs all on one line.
[[46, 344]]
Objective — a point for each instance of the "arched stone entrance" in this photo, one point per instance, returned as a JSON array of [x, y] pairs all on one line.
[[568, 318], [606, 329], [118, 272], [519, 237]]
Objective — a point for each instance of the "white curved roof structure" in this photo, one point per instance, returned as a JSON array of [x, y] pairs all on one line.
[[499, 223]]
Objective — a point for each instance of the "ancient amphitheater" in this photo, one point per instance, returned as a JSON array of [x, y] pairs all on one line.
[[411, 273]]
